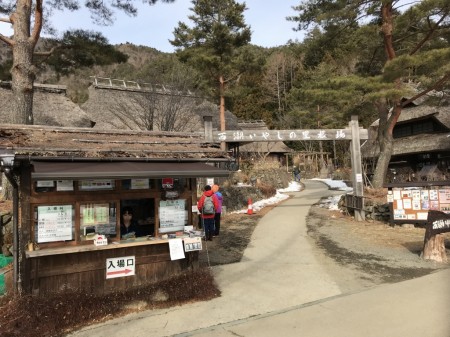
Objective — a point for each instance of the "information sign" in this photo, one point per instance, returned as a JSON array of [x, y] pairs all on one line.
[[120, 267], [172, 215], [54, 223]]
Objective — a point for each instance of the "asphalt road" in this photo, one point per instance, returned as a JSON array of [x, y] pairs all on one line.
[[279, 288]]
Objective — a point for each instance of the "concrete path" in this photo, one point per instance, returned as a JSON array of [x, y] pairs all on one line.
[[279, 288]]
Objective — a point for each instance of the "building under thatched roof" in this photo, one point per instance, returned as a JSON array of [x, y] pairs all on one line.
[[51, 106], [131, 106], [421, 138]]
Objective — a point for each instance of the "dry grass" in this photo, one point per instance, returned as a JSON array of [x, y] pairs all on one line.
[[56, 315]]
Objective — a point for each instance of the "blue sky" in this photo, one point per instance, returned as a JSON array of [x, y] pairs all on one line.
[[154, 25]]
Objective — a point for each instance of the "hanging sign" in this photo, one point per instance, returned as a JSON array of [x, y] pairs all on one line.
[[176, 249], [192, 244]]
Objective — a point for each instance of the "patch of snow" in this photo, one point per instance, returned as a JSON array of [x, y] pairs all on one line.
[[330, 203]]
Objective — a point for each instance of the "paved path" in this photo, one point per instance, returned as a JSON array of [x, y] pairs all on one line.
[[279, 288]]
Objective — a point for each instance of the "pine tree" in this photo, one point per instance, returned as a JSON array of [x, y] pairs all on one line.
[[214, 44], [415, 52]]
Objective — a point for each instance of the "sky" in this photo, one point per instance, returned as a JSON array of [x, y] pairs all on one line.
[[154, 25]]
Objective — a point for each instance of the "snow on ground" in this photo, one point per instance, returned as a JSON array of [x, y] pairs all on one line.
[[331, 202]]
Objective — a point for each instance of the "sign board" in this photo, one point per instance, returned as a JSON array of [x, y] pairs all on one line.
[[54, 223], [192, 244], [172, 215], [437, 223], [120, 267], [96, 184], [286, 135], [176, 249], [167, 183], [415, 203]]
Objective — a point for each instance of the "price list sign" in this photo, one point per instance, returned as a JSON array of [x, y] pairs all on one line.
[[55, 223], [172, 215]]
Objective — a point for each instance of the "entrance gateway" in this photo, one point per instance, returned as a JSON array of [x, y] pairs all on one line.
[[352, 133]]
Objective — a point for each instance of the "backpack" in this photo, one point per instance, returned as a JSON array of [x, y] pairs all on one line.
[[208, 206]]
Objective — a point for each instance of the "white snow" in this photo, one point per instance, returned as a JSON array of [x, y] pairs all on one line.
[[331, 202]]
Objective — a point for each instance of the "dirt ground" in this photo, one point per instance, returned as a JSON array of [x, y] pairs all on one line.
[[356, 254]]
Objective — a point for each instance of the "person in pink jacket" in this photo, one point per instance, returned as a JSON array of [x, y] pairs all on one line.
[[219, 195], [207, 205]]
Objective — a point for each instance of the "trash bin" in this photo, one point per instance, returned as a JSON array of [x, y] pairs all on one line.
[[4, 262]]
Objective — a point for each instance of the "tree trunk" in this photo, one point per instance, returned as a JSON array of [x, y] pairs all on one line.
[[434, 249], [22, 71], [22, 83], [386, 126]]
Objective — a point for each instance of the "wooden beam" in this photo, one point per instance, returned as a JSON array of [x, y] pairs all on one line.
[[286, 135]]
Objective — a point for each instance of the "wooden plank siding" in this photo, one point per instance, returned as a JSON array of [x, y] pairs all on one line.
[[86, 271]]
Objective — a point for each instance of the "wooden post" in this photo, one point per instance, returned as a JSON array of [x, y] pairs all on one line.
[[208, 128], [357, 176]]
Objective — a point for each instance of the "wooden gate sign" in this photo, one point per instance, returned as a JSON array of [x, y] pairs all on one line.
[[437, 223], [434, 245]]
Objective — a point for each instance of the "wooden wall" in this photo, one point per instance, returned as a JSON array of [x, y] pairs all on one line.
[[86, 271]]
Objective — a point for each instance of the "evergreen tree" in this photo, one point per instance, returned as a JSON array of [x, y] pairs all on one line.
[[414, 53], [214, 45]]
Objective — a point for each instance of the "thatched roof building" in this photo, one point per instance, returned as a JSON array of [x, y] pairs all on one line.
[[51, 106], [130, 106], [429, 129], [421, 143]]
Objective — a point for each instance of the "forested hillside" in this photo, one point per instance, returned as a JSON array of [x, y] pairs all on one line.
[[357, 59]]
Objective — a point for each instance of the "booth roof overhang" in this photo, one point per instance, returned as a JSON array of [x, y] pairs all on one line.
[[48, 170]]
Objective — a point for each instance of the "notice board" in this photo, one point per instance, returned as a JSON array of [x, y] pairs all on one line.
[[413, 203]]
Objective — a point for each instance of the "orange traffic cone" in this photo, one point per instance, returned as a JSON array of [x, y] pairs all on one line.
[[250, 207]]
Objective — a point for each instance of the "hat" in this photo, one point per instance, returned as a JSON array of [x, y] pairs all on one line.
[[215, 188]]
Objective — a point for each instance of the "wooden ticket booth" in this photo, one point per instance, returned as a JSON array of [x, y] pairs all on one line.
[[69, 220]]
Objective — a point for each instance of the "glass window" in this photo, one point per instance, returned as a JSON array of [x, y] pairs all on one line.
[[97, 218]]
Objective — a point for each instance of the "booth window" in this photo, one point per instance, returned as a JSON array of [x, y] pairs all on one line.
[[97, 218]]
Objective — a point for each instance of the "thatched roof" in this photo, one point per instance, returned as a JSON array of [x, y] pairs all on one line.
[[441, 114], [418, 143], [260, 147], [51, 106], [76, 143], [113, 107]]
